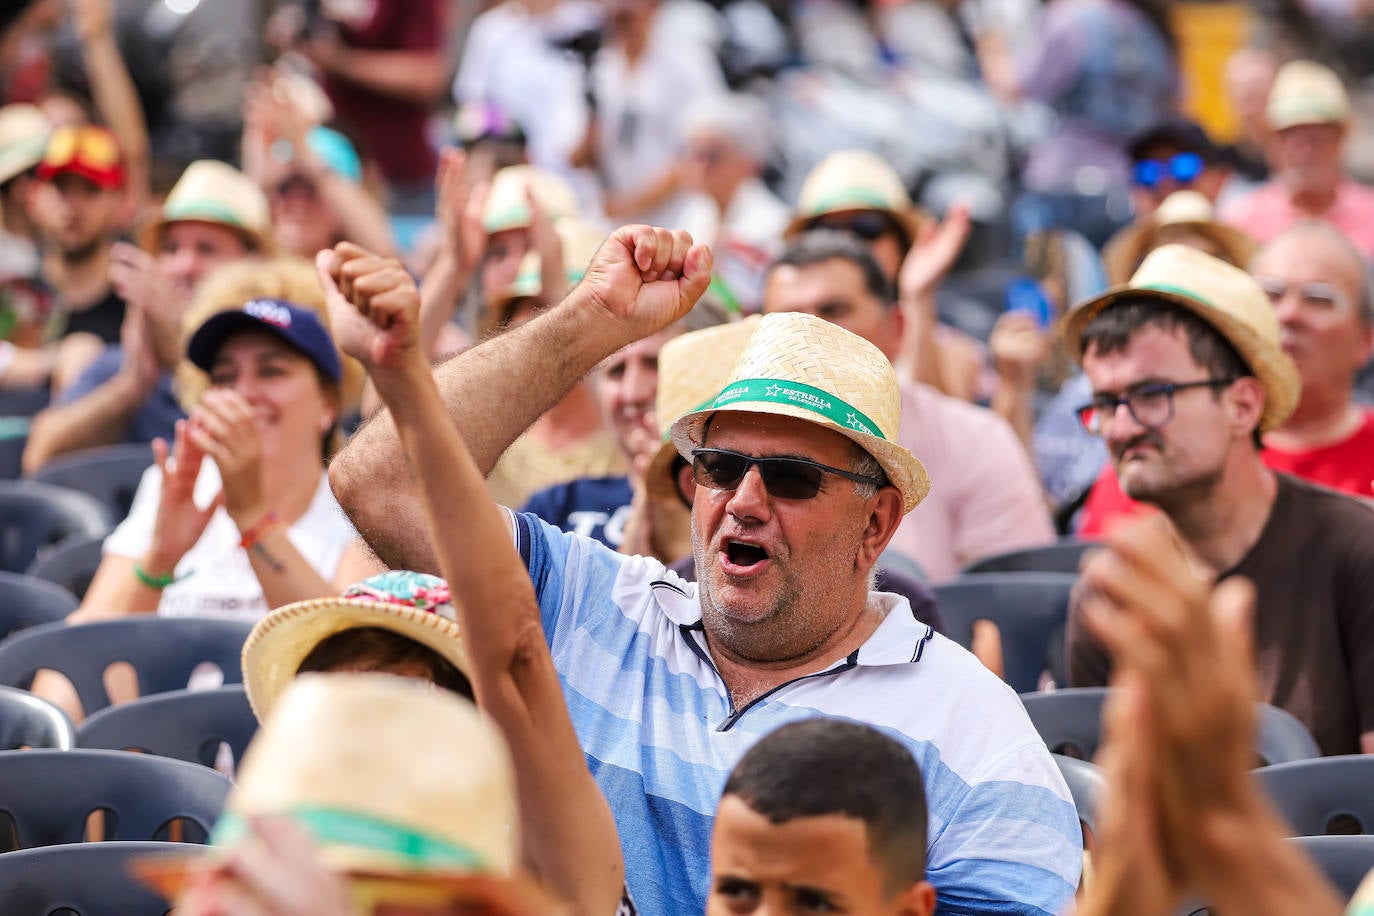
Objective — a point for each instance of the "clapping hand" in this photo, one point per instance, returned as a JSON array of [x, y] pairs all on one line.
[[225, 427]]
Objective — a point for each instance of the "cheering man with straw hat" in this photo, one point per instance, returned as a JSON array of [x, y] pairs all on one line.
[[799, 488], [1187, 370]]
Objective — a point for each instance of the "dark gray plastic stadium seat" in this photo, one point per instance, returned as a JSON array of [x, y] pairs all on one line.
[[49, 794], [1345, 860], [1062, 557], [186, 724], [70, 563], [162, 651], [1029, 608], [92, 879], [110, 474], [35, 515], [1086, 783], [27, 601], [30, 721], [1070, 721], [1309, 793]]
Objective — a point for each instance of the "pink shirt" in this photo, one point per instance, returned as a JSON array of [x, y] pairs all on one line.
[[1268, 210], [984, 497]]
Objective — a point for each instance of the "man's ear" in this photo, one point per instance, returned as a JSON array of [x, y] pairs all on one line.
[[917, 900], [885, 514], [1247, 403]]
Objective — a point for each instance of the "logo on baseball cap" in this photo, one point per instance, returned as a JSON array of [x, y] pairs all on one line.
[[298, 326]]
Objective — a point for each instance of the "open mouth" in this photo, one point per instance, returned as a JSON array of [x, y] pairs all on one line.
[[743, 557]]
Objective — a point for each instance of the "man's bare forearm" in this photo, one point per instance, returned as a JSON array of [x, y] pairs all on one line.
[[492, 393], [101, 417]]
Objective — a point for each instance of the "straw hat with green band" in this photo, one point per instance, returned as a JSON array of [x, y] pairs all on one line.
[[692, 369], [1182, 210], [800, 366], [855, 180], [1225, 297], [389, 776], [215, 192], [508, 206], [1305, 92]]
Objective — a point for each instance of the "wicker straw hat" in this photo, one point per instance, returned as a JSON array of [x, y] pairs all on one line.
[[392, 779], [1225, 297], [215, 192], [854, 180], [24, 132], [415, 605], [801, 366], [508, 205], [692, 370], [1305, 92], [1180, 210]]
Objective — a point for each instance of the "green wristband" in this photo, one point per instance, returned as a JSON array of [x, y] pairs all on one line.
[[153, 582]]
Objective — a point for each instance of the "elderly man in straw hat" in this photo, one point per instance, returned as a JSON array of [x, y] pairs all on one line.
[[1309, 114], [799, 488], [213, 215], [1187, 369]]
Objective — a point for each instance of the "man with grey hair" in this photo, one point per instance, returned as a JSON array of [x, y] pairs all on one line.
[[727, 147]]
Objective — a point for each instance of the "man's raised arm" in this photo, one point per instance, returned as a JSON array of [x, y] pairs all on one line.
[[641, 280]]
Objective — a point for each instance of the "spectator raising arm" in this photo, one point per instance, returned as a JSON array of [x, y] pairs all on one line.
[[114, 94], [569, 835], [641, 280]]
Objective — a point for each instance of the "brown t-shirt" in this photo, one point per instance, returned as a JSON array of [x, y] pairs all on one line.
[[1313, 569]]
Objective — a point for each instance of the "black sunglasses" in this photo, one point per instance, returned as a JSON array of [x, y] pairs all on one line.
[[868, 227], [784, 478]]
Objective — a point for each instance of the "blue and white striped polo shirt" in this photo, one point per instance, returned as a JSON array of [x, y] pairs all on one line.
[[656, 723]]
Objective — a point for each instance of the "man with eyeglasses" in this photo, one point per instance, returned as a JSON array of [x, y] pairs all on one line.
[[1188, 368], [799, 487], [1318, 284], [1309, 113]]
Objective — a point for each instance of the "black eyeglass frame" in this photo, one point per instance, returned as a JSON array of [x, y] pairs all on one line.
[[1109, 405], [774, 461]]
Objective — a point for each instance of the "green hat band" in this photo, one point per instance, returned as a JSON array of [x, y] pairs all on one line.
[[359, 831], [1177, 291], [850, 199], [796, 394], [210, 210], [515, 217]]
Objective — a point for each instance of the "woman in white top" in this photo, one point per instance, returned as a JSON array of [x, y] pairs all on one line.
[[255, 526]]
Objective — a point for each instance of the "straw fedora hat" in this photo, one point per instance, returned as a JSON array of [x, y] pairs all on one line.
[[854, 180], [508, 206], [215, 192], [24, 132], [1180, 211], [1225, 297], [1305, 92], [411, 604], [393, 780], [801, 366], [692, 370]]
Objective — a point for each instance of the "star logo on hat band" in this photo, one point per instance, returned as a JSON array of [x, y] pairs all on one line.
[[855, 423], [773, 390]]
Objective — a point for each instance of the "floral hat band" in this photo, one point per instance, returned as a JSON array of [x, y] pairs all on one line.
[[408, 589]]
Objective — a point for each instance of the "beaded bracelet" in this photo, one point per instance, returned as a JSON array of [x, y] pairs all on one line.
[[154, 582], [258, 531]]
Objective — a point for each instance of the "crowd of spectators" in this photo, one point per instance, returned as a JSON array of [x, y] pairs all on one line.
[[638, 370]]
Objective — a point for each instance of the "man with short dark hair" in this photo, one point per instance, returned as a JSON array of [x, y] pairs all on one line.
[[989, 497], [822, 815], [1187, 370]]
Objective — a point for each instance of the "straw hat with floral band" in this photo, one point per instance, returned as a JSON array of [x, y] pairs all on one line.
[[407, 791], [692, 370], [215, 192], [855, 180], [1225, 297], [801, 366], [410, 604], [90, 152], [1180, 212], [24, 132]]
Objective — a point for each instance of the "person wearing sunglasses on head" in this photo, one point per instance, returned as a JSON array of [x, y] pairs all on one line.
[[1309, 114], [1188, 368], [800, 485]]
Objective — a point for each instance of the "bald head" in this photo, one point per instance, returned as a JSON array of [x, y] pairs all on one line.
[[1319, 251]]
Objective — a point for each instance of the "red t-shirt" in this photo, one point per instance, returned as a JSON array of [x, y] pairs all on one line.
[[1347, 466], [390, 132]]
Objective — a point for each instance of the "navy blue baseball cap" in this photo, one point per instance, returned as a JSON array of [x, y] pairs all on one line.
[[298, 326]]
